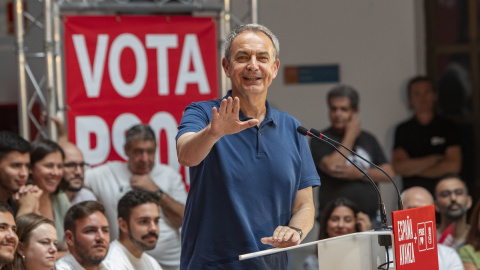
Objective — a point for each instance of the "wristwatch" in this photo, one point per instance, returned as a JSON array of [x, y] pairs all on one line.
[[159, 193], [299, 231]]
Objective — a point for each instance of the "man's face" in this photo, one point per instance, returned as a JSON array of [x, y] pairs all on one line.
[[14, 171], [422, 98], [141, 156], [252, 65], [340, 112], [143, 226], [89, 245], [8, 238], [452, 200], [73, 168]]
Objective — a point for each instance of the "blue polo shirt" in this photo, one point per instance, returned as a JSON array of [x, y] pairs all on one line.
[[242, 190]]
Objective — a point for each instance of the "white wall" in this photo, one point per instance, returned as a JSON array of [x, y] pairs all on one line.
[[372, 41]]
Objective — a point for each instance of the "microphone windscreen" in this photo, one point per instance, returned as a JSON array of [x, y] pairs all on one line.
[[315, 132], [302, 130]]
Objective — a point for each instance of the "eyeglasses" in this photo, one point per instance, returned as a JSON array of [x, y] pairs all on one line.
[[448, 193], [72, 166]]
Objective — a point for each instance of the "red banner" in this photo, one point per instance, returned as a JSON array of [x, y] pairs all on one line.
[[123, 70], [415, 238]]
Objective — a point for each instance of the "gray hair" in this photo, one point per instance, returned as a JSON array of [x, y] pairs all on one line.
[[140, 132], [344, 91], [253, 27]]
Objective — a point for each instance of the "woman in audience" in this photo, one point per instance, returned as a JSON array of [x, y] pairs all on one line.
[[470, 252], [37, 240], [340, 217], [46, 159]]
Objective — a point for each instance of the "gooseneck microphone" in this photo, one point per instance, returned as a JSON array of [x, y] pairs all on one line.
[[324, 138], [383, 213]]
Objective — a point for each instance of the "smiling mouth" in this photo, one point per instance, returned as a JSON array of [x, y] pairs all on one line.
[[251, 78]]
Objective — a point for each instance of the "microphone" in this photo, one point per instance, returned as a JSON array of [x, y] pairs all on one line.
[[324, 138], [383, 212]]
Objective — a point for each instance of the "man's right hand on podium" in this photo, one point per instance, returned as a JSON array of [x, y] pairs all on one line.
[[283, 236]]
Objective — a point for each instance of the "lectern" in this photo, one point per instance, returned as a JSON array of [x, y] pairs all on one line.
[[413, 245], [356, 251]]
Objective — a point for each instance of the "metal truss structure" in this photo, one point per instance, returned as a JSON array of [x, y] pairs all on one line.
[[48, 84]]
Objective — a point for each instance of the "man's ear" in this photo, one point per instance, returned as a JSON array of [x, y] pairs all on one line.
[[69, 238], [437, 208], [469, 201], [225, 66], [122, 225]]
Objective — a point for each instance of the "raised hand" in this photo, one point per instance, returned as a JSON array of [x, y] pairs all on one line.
[[226, 120]]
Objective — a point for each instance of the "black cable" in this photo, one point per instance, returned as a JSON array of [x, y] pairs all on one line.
[[380, 267]]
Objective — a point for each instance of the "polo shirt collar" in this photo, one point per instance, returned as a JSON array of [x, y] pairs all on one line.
[[271, 116]]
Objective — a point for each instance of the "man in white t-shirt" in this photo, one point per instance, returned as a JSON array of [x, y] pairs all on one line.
[[87, 236], [138, 216], [109, 182]]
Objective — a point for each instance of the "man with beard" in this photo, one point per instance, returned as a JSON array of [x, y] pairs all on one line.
[[14, 170], [73, 174], [138, 216], [87, 236], [110, 181], [8, 236], [452, 203]]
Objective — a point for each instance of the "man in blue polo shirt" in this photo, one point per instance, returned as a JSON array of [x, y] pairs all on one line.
[[251, 172]]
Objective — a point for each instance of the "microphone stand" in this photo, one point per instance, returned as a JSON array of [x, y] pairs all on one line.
[[383, 212], [324, 138], [383, 240]]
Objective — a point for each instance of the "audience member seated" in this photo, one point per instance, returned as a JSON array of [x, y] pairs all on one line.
[[73, 175], [448, 258], [8, 237], [47, 159], [340, 217], [14, 166], [426, 146], [87, 236], [37, 243], [112, 180], [138, 216], [470, 252], [73, 167], [340, 178], [452, 203]]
